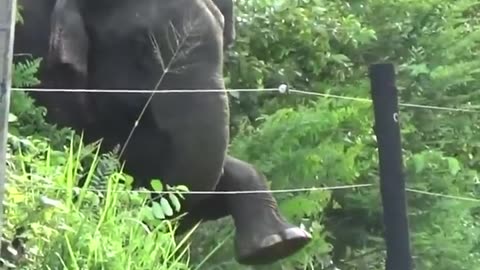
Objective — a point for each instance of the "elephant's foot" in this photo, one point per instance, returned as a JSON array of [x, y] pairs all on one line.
[[263, 235], [258, 248]]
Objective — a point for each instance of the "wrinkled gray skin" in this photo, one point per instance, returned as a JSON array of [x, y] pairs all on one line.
[[181, 138]]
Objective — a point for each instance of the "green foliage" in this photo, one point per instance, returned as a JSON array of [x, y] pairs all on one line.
[[447, 225], [24, 73], [301, 141], [78, 228], [30, 119], [262, 58], [295, 140]]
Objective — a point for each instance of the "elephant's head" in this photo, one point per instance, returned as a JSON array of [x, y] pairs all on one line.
[[69, 43], [81, 29]]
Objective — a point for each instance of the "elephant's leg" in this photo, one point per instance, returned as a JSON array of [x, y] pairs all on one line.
[[179, 148], [263, 235], [213, 208], [175, 161]]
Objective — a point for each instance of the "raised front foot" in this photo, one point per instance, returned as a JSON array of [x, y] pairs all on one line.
[[268, 248]]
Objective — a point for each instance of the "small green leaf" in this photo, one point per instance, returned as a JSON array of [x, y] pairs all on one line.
[[50, 202], [181, 188], [157, 210], [167, 209], [453, 165], [175, 201], [235, 94], [419, 162], [128, 179], [336, 205], [12, 118], [147, 213], [156, 185], [340, 58]]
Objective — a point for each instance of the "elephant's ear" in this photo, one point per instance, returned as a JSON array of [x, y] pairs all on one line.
[[226, 7], [68, 37]]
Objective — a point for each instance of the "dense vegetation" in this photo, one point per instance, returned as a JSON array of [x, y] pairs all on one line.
[[296, 140]]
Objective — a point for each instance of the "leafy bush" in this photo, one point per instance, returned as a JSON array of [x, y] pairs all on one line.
[[79, 228], [301, 141]]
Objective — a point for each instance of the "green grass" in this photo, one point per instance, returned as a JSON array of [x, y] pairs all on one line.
[[68, 227]]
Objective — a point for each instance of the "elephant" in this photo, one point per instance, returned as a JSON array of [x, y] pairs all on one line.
[[226, 7], [180, 138]]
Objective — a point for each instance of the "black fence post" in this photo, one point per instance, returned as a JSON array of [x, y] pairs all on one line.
[[392, 182]]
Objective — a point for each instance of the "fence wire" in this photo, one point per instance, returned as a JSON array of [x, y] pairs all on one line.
[[247, 192], [282, 89], [292, 190], [445, 196]]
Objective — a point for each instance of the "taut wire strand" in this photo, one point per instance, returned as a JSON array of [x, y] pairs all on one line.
[[440, 195], [274, 191], [200, 91], [292, 190]]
